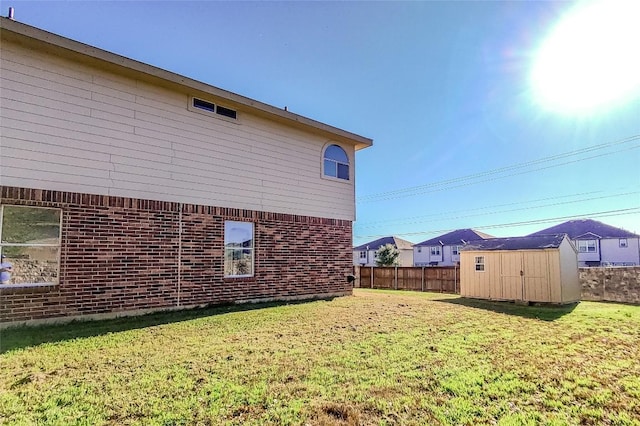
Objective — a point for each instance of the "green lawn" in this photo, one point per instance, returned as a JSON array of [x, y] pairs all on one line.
[[378, 357]]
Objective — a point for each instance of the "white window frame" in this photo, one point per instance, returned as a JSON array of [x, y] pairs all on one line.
[[435, 251], [56, 246], [337, 163], [455, 250], [623, 243], [235, 248], [584, 246], [363, 255], [479, 264]]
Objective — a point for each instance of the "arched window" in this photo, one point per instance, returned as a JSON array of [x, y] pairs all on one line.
[[336, 162]]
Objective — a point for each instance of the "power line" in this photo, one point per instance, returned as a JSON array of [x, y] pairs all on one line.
[[609, 213], [446, 215], [477, 177]]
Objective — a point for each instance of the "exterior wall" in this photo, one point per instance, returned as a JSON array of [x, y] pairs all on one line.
[[121, 255], [424, 257], [617, 284], [68, 126], [405, 258], [502, 277], [615, 255], [569, 276], [583, 257]]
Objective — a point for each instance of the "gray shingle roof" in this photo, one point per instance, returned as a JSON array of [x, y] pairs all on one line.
[[457, 237], [398, 243], [577, 228], [537, 242]]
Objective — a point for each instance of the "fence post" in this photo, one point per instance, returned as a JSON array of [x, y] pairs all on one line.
[[371, 277], [440, 275], [455, 278], [422, 277], [396, 277]]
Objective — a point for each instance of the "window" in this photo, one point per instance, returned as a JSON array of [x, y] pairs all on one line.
[[479, 263], [336, 162], [363, 255], [455, 250], [623, 243], [200, 105], [587, 246], [30, 242], [238, 249], [419, 249], [435, 251]]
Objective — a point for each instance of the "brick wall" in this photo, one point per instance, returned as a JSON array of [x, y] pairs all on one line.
[[615, 284], [122, 254]]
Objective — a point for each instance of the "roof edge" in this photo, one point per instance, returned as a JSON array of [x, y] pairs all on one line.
[[16, 30]]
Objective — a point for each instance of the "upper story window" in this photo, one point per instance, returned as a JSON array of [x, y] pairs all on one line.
[[419, 249], [435, 251], [30, 244], [336, 162], [455, 250], [587, 246], [623, 243], [363, 255]]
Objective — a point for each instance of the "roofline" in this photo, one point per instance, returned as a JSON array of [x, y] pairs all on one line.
[[26, 34]]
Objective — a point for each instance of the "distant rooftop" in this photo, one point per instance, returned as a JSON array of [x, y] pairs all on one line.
[[587, 227], [457, 237], [398, 243], [537, 242]]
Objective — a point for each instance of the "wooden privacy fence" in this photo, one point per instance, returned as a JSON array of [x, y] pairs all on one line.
[[433, 278]]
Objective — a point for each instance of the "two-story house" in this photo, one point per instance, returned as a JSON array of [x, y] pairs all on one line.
[[366, 254], [444, 250], [599, 244], [127, 188]]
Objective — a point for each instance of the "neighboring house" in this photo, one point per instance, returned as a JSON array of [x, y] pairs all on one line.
[[533, 269], [599, 244], [366, 254], [127, 188], [444, 250]]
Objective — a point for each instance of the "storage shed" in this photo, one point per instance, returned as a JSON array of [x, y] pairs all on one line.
[[540, 268]]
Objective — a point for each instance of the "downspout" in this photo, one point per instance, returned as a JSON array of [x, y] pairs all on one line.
[[179, 251]]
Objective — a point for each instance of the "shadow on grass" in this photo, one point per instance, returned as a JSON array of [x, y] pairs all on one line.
[[20, 337], [544, 312]]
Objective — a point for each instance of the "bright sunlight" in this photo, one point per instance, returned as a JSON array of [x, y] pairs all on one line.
[[591, 59]]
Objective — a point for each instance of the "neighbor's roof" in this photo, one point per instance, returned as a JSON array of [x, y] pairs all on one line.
[[398, 243], [457, 237], [57, 45], [587, 228], [516, 243]]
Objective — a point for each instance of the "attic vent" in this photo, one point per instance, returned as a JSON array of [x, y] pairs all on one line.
[[213, 108], [226, 112], [207, 106]]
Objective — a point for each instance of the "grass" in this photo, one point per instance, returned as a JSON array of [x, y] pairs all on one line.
[[382, 358]]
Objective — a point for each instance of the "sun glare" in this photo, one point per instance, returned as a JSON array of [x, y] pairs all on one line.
[[591, 59]]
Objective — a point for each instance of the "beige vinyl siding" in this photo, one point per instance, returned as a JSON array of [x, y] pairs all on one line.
[[71, 127]]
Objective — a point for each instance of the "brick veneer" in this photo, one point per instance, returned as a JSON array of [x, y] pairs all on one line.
[[122, 255]]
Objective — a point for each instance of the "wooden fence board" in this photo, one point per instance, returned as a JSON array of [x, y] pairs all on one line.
[[434, 278]]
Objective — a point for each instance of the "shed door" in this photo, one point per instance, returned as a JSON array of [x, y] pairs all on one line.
[[510, 276], [537, 287]]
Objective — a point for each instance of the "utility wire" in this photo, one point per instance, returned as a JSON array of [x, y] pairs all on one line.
[[447, 216], [609, 213], [477, 177]]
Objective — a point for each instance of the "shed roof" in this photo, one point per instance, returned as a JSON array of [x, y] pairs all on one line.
[[537, 242], [587, 228], [457, 237], [398, 243], [55, 44]]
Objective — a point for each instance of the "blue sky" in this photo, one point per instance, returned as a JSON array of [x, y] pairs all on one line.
[[461, 139]]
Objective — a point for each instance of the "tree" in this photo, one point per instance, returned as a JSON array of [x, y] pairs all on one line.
[[387, 255]]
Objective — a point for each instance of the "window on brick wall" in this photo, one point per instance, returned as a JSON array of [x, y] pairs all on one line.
[[238, 249], [30, 242]]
